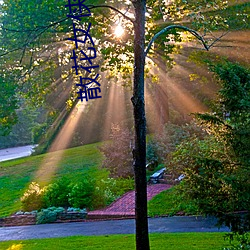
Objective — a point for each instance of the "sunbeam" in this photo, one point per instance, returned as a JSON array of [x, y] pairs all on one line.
[[51, 161]]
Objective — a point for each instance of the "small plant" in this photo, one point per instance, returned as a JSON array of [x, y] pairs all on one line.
[[109, 189], [103, 195], [243, 242], [48, 215], [33, 197]]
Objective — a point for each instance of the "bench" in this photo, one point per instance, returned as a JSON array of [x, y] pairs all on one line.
[[182, 176], [155, 177]]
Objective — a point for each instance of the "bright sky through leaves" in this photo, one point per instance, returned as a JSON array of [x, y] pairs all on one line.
[[119, 31]]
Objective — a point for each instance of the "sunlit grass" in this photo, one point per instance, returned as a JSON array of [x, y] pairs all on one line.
[[172, 241], [51, 162], [169, 202], [16, 175]]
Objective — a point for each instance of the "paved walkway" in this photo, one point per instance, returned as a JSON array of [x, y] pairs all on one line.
[[156, 225], [125, 206]]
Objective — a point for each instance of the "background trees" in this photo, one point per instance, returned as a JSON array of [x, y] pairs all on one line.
[[8, 106], [217, 168]]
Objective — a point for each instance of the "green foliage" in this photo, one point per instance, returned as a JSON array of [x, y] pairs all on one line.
[[236, 16], [81, 194], [34, 46], [103, 193], [205, 175], [38, 131], [216, 168], [123, 185], [91, 193], [8, 106], [231, 123], [65, 193], [48, 215], [16, 175], [108, 190], [56, 194], [152, 156], [32, 198], [21, 132], [242, 241]]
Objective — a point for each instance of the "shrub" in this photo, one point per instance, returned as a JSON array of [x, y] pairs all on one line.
[[48, 215], [81, 194], [103, 194], [118, 153], [73, 209], [57, 193], [33, 197], [152, 155], [38, 132], [123, 185], [243, 242]]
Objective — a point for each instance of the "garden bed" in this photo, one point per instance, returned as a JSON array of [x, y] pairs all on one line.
[[31, 219]]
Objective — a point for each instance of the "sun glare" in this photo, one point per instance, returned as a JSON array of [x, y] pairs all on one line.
[[119, 31]]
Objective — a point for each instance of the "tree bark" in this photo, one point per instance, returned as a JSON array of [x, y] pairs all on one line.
[[139, 151]]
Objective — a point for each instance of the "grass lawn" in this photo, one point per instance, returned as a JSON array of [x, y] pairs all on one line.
[[169, 202], [172, 241], [16, 175]]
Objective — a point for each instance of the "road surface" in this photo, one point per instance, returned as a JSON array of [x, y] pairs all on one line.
[[17, 152], [156, 225]]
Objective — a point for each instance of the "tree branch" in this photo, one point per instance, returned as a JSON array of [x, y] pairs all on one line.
[[193, 32], [218, 38], [112, 8], [44, 28]]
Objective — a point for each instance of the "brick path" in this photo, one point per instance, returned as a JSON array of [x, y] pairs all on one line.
[[124, 207]]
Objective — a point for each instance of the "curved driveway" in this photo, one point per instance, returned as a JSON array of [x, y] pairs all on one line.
[[156, 225], [17, 152]]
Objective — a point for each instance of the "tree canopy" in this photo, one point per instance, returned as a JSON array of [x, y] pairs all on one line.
[[38, 47], [34, 48]]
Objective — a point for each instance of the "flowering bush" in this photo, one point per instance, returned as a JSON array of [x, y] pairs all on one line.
[[33, 197]]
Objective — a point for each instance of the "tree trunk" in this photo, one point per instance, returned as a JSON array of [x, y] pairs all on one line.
[[139, 151]]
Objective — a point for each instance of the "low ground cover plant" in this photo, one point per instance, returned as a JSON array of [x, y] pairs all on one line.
[[48, 215]]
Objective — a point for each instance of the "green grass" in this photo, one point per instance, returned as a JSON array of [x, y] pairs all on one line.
[[171, 241], [16, 175], [169, 203]]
